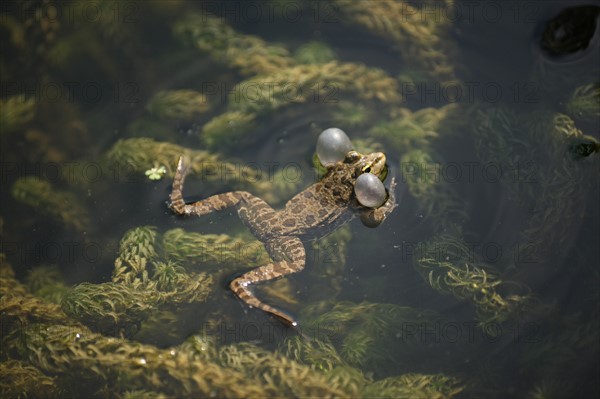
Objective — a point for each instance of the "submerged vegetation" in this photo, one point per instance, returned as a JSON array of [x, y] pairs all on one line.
[[103, 293]]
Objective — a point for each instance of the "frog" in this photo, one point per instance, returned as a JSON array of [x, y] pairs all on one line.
[[311, 214]]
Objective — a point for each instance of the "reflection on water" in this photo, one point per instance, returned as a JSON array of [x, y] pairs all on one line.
[[483, 281]]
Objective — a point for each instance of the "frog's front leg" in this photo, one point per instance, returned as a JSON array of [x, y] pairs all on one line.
[[288, 256], [206, 206], [374, 217], [253, 211]]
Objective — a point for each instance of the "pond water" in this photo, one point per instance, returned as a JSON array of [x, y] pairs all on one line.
[[483, 282]]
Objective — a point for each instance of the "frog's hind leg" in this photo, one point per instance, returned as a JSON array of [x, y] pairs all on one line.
[[288, 257]]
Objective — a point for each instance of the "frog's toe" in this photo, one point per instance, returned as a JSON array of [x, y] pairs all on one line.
[[181, 166]]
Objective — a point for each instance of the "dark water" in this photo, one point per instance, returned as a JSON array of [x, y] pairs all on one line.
[[522, 199]]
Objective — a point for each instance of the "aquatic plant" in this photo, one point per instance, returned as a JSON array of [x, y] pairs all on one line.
[[449, 266], [213, 251], [175, 286], [436, 197], [422, 41], [318, 353], [140, 154], [541, 156], [249, 54], [141, 284], [372, 336], [349, 114], [156, 172], [143, 394], [414, 385], [566, 134], [95, 362], [501, 140], [584, 103], [178, 105], [42, 276], [136, 250], [561, 183], [410, 130], [314, 52], [76, 356], [90, 361], [153, 329], [572, 341], [46, 282], [10, 285], [562, 128], [119, 309], [18, 307], [197, 367], [111, 308], [16, 112], [329, 254], [277, 82], [137, 155], [296, 379], [322, 83], [551, 388], [227, 130], [62, 206], [21, 380]]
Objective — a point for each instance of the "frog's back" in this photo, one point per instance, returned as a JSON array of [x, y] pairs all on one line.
[[316, 211]]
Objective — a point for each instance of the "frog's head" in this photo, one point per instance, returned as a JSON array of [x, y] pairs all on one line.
[[371, 163]]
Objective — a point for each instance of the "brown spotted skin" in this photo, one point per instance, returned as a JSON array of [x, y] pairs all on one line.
[[313, 213]]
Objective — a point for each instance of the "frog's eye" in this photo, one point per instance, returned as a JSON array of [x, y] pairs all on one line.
[[382, 175], [351, 157]]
